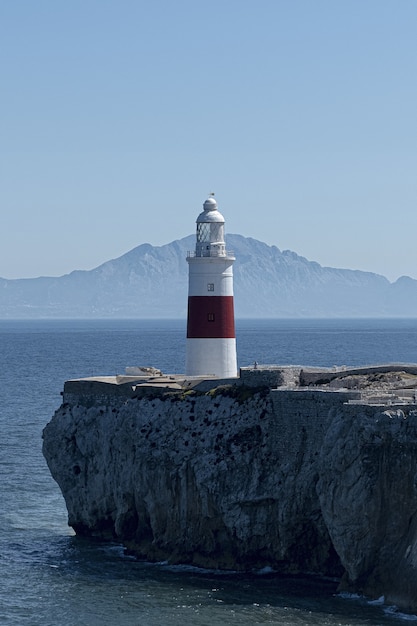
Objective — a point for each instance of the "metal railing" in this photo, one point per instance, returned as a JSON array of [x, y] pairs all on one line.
[[210, 253]]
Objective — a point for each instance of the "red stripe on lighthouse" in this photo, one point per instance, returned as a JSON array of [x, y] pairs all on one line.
[[210, 317]]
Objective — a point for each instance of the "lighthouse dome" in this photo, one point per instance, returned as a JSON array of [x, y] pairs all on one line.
[[210, 213], [210, 204]]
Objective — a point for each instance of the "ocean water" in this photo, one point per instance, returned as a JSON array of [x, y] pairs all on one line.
[[50, 577]]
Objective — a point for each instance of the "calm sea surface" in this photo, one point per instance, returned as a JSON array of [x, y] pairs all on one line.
[[50, 577]]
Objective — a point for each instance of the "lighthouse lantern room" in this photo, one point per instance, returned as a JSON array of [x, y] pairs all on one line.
[[211, 339]]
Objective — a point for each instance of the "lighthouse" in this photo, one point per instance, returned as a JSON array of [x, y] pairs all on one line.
[[211, 338]]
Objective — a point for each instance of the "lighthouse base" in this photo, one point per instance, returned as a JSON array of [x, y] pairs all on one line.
[[211, 357]]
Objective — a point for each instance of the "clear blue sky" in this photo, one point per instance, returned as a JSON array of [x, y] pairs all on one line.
[[118, 117]]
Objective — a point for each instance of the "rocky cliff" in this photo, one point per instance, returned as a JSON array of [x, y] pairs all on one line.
[[242, 477]]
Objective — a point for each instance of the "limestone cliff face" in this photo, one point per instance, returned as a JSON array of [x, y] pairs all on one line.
[[246, 478], [368, 497]]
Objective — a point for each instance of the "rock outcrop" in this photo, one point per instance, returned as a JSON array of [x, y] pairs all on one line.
[[239, 477]]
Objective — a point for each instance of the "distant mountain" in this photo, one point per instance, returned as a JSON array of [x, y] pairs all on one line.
[[152, 282]]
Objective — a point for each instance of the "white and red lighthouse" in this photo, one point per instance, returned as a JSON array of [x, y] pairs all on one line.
[[211, 338]]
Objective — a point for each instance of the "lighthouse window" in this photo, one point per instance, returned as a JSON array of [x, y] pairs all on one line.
[[210, 286], [216, 232], [210, 317], [210, 232], [203, 232]]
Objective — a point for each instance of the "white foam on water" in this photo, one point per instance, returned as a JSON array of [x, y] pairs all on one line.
[[393, 611]]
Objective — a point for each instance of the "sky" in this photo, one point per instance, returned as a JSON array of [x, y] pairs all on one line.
[[119, 117]]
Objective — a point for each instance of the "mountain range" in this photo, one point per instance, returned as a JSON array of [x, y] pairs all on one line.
[[152, 281]]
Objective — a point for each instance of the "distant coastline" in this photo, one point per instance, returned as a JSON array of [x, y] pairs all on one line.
[[151, 282]]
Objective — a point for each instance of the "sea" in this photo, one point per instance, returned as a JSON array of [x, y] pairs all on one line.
[[50, 577]]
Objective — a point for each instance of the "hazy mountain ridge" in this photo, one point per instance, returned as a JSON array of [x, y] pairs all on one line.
[[152, 281]]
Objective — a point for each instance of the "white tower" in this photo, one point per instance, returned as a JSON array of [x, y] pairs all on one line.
[[211, 339]]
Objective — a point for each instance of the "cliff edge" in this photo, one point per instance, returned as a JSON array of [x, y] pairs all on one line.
[[299, 471]]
